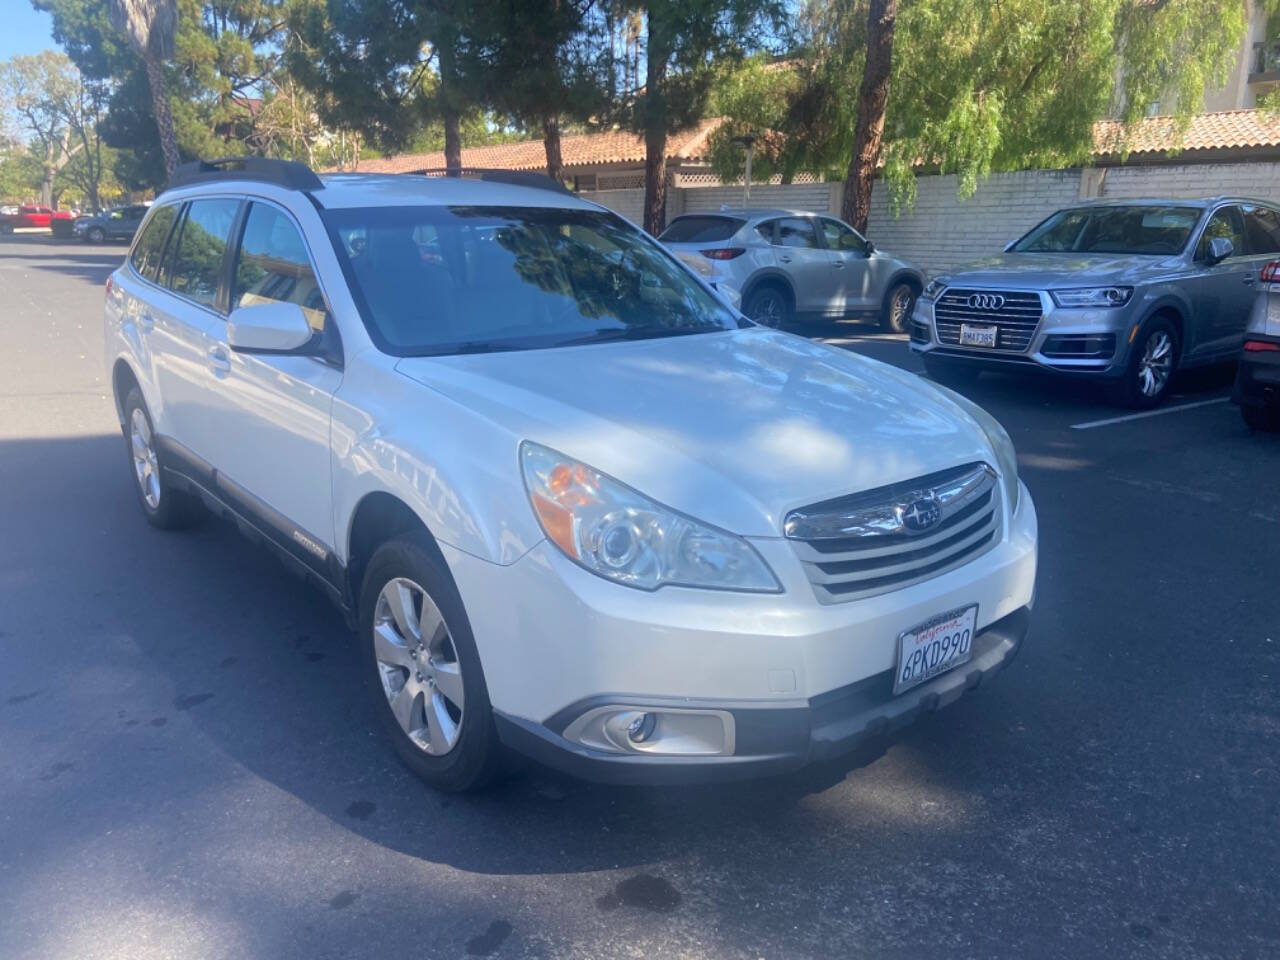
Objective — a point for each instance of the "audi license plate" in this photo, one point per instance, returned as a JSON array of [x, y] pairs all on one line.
[[935, 647], [972, 336]]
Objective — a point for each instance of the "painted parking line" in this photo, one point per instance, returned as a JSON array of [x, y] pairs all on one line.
[[1150, 413]]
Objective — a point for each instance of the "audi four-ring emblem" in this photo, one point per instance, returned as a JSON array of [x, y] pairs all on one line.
[[986, 301]]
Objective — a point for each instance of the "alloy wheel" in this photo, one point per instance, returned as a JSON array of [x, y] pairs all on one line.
[[1155, 366], [146, 467], [96, 235], [418, 665], [899, 307], [767, 309]]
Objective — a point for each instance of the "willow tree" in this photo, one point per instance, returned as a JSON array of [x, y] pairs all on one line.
[[973, 87], [151, 27]]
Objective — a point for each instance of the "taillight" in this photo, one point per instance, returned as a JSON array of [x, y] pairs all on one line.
[[723, 253], [1271, 272], [1261, 346], [107, 292]]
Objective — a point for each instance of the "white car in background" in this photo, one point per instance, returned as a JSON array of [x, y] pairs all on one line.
[[573, 504]]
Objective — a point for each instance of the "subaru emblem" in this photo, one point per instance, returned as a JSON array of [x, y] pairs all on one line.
[[920, 515]]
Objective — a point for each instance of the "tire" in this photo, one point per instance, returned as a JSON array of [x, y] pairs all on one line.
[[770, 306], [1153, 362], [951, 373], [165, 507], [96, 235], [6, 229], [1263, 419], [407, 587], [895, 312]]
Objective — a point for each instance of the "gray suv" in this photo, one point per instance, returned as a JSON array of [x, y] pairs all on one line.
[[788, 262], [1127, 291]]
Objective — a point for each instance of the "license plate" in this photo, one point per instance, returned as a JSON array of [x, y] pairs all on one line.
[[971, 336], [935, 647]]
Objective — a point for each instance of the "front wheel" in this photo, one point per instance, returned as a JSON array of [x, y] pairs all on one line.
[[895, 314], [423, 670], [1152, 364], [97, 235]]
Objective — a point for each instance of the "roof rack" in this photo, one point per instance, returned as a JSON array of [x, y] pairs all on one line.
[[519, 178], [284, 173]]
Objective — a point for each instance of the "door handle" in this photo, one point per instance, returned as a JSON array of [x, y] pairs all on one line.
[[784, 259], [146, 322], [219, 359], [1250, 278], [838, 264]]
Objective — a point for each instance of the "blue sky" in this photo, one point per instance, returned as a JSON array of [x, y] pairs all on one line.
[[26, 30]]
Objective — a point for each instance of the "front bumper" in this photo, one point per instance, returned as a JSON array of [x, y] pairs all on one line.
[[1258, 377], [1091, 342], [799, 679]]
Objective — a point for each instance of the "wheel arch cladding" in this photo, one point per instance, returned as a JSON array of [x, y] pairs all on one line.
[[123, 379], [1173, 312], [377, 518]]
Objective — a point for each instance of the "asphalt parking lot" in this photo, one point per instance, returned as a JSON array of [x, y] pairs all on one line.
[[191, 772]]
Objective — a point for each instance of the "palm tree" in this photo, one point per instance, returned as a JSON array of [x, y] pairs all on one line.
[[152, 27]]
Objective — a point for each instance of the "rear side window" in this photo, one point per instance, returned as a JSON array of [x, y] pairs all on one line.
[[150, 246], [796, 232], [701, 229], [273, 266], [202, 246], [1262, 228]]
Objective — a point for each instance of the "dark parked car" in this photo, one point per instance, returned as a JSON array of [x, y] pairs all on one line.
[[1257, 388], [119, 224]]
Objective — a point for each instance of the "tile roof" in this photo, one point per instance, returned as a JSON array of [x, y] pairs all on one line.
[[1227, 130], [577, 150]]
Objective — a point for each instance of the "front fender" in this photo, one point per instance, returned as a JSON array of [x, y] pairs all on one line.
[[458, 472]]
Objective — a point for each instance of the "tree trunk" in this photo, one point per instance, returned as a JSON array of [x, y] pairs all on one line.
[[46, 186], [872, 99], [655, 133], [551, 141], [452, 123], [164, 119]]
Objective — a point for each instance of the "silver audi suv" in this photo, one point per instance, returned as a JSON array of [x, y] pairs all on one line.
[[788, 262], [1128, 291]]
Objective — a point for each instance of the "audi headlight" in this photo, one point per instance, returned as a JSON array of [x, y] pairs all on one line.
[[932, 289], [623, 536], [1006, 457], [1092, 296]]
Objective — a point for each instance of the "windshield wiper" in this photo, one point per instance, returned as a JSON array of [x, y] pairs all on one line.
[[610, 334]]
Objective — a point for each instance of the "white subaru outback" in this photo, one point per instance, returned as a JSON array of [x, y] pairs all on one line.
[[575, 505]]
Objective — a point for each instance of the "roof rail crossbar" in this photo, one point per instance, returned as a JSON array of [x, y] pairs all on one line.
[[518, 178], [285, 173]]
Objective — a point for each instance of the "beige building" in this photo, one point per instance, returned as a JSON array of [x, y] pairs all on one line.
[[1257, 68]]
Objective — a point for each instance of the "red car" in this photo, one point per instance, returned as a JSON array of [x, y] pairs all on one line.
[[30, 216]]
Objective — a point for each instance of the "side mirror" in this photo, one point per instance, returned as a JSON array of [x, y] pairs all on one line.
[[870, 248], [1219, 249], [1009, 246], [268, 328]]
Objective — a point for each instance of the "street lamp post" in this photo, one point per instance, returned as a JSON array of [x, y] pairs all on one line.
[[749, 142]]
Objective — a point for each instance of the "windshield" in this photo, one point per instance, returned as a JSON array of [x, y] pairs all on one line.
[[442, 280], [1136, 230]]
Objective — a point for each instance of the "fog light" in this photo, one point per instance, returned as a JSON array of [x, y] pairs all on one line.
[[641, 728]]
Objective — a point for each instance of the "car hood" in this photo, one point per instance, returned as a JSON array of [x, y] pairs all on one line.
[[1042, 270], [734, 428]]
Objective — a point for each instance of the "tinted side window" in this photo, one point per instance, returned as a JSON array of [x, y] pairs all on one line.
[[796, 232], [1224, 223], [150, 246], [1262, 228], [766, 230], [701, 229], [202, 246], [273, 266], [840, 237]]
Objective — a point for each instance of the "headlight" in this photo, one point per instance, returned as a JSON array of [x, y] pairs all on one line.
[[932, 289], [623, 536], [1006, 457], [1092, 296]]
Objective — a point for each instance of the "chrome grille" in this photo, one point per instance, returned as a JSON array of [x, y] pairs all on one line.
[[1015, 320], [863, 545]]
